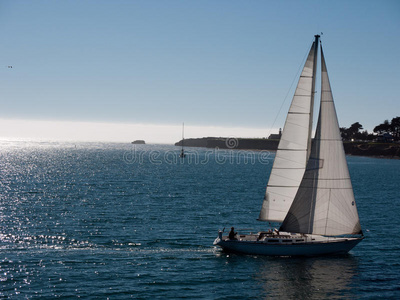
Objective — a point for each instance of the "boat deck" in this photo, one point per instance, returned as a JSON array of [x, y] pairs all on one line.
[[286, 244], [275, 237]]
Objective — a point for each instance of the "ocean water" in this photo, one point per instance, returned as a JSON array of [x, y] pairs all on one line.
[[118, 221]]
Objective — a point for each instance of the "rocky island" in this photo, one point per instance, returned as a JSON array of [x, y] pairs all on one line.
[[139, 142]]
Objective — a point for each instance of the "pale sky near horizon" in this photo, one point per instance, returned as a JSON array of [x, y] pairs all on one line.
[[125, 70]]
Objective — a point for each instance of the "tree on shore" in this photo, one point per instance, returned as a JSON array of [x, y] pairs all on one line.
[[395, 127], [354, 131], [382, 128], [392, 128]]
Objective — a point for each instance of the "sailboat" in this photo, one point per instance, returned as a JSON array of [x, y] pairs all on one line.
[[182, 154], [309, 191]]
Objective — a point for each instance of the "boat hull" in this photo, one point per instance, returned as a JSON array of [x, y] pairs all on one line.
[[334, 247]]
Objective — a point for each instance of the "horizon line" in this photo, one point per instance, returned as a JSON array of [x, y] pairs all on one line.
[[119, 132]]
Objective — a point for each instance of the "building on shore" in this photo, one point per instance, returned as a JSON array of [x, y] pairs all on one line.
[[275, 136]]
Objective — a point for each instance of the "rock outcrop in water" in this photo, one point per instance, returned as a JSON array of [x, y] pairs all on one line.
[[139, 142]]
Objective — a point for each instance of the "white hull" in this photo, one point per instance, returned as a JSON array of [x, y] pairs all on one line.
[[310, 247]]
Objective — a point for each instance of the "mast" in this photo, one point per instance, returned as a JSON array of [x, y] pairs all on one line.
[[313, 92], [183, 134], [182, 155], [294, 146]]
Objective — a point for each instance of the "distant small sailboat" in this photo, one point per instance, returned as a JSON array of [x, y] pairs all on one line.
[[182, 154], [309, 190]]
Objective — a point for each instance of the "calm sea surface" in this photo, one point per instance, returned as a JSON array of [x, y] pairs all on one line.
[[119, 221]]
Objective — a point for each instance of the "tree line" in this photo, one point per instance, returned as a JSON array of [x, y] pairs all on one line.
[[384, 132]]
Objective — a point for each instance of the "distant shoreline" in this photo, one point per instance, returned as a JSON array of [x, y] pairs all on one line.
[[369, 149]]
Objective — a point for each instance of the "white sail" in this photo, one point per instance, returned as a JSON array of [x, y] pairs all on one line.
[[324, 203], [294, 146]]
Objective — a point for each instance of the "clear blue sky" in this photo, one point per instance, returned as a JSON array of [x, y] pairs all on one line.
[[207, 63]]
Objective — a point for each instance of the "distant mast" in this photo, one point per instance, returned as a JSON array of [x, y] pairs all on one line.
[[183, 155]]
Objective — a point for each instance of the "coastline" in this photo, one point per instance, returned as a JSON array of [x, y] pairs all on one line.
[[358, 148]]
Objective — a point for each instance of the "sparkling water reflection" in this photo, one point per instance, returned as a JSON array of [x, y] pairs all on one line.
[[81, 220]]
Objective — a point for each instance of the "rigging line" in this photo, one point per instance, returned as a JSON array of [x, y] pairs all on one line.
[[290, 88]]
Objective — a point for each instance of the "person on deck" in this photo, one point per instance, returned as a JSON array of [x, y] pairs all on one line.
[[232, 234]]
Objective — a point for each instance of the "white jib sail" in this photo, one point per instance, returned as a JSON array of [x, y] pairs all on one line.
[[325, 201], [294, 147]]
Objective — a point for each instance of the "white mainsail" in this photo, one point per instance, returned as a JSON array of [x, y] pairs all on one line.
[[324, 203], [294, 146]]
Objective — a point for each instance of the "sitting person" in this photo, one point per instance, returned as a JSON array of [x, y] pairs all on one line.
[[232, 234]]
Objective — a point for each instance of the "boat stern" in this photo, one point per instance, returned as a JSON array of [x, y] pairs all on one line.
[[218, 240]]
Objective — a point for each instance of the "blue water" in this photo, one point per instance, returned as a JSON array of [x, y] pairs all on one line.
[[121, 221]]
